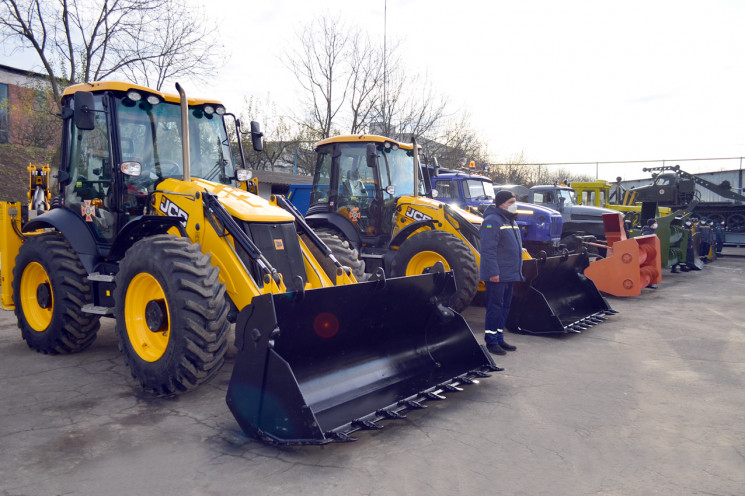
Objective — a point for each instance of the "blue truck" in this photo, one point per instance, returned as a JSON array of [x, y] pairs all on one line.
[[540, 226]]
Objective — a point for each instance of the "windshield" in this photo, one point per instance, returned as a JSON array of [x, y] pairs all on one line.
[[663, 180], [151, 135], [396, 169], [569, 196], [478, 190]]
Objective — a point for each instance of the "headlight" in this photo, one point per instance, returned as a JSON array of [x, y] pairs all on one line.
[[131, 168], [134, 96], [243, 175], [220, 110], [153, 100]]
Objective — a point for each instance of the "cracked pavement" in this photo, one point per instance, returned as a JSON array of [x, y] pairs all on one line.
[[649, 402]]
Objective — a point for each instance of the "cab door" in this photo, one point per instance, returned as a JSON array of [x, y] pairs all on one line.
[[89, 189]]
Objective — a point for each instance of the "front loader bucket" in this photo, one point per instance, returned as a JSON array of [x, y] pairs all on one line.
[[631, 264], [556, 297], [316, 366]]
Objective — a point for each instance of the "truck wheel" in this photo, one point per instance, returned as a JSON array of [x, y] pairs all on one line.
[[343, 252], [171, 314], [736, 223], [426, 248], [50, 286]]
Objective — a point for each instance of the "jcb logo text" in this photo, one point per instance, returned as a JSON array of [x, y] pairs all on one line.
[[416, 214], [172, 210]]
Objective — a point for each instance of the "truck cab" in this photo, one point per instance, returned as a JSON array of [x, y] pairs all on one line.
[[576, 218], [540, 227], [467, 191]]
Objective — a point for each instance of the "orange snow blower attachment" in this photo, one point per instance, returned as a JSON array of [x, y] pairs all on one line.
[[629, 265]]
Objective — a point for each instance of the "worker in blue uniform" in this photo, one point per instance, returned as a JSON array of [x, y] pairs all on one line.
[[501, 266]]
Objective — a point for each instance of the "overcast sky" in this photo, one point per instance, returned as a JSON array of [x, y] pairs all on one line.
[[562, 81]]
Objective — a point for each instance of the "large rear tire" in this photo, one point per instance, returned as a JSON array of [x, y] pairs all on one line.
[[426, 248], [50, 286], [171, 314]]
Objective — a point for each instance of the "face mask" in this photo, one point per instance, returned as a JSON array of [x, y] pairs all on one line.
[[512, 208], [654, 226]]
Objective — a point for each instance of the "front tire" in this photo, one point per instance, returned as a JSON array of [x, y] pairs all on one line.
[[171, 314], [342, 250], [50, 287], [426, 248]]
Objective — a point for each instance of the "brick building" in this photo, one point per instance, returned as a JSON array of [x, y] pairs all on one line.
[[25, 108]]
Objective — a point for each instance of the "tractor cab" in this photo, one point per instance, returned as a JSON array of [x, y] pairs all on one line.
[[361, 182], [123, 141]]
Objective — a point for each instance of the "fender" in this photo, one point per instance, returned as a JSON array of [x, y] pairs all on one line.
[[74, 229], [406, 232], [339, 222], [142, 227]]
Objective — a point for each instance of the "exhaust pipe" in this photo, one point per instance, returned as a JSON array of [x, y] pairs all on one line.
[[185, 132]]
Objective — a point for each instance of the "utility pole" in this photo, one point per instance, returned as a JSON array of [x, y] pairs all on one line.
[[385, 64]]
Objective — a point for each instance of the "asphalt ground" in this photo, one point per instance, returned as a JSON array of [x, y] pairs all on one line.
[[651, 401]]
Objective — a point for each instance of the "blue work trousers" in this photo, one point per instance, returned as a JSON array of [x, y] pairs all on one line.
[[498, 299]]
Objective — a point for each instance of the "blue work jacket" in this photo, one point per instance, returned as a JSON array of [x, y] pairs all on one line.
[[501, 246]]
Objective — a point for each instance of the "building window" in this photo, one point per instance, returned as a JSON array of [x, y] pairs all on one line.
[[4, 110]]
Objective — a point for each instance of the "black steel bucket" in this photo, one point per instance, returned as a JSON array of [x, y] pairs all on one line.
[[557, 297], [315, 366]]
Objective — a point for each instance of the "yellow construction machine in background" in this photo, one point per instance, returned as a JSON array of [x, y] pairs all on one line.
[[369, 194]]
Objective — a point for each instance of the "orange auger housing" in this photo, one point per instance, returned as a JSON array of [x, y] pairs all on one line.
[[630, 264]]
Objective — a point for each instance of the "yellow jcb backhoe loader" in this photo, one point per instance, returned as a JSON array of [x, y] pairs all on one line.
[[147, 226], [369, 194]]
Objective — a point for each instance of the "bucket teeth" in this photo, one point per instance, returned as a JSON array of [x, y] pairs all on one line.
[[390, 414], [412, 404], [340, 437], [366, 425], [451, 388], [465, 380], [432, 396], [481, 374]]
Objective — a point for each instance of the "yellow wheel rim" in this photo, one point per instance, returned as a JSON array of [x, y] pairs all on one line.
[[424, 260], [37, 316], [145, 292]]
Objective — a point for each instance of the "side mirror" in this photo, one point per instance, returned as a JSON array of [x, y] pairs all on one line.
[[256, 136], [435, 167], [84, 110], [372, 155]]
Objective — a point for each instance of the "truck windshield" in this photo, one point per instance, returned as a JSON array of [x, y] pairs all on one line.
[[479, 190], [151, 135], [570, 197]]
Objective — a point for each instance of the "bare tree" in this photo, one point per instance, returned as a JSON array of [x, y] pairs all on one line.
[[366, 66], [515, 170], [412, 107], [457, 140], [89, 40], [182, 45], [280, 135], [319, 67]]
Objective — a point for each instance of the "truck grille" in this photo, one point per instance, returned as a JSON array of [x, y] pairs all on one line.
[[556, 226]]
